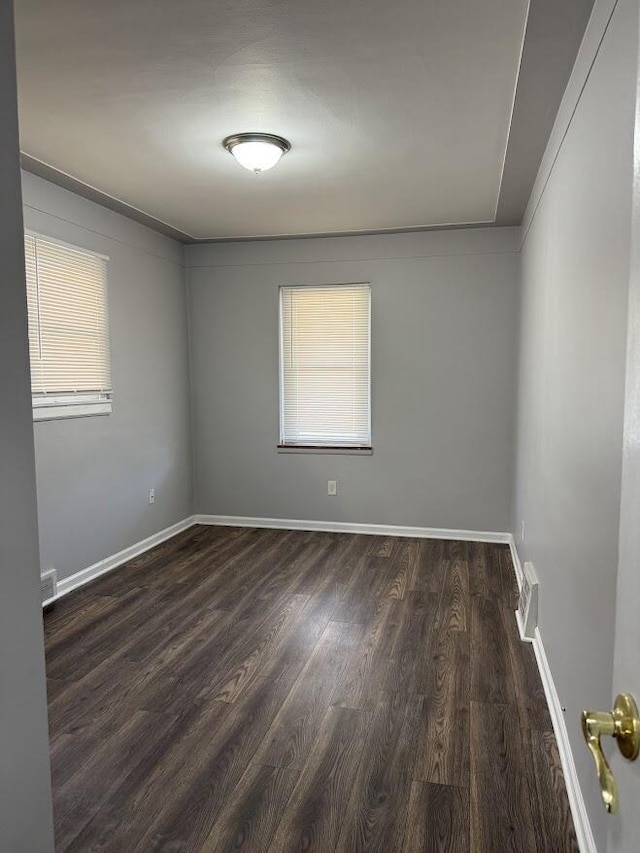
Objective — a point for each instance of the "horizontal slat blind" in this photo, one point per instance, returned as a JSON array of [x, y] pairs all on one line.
[[68, 321], [324, 365]]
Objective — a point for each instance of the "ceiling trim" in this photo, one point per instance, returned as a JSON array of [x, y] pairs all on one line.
[[75, 185], [406, 229], [597, 28], [544, 75], [69, 182], [511, 112]]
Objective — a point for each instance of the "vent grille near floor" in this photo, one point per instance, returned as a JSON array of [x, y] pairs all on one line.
[[48, 586]]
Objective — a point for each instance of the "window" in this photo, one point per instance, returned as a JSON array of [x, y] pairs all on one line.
[[324, 366], [68, 330]]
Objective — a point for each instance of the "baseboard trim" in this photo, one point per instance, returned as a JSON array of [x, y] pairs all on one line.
[[586, 841], [67, 585], [354, 527], [78, 579]]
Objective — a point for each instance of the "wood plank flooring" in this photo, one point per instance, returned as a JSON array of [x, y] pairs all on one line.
[[262, 690]]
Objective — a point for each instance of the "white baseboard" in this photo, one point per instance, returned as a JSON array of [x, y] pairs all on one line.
[[349, 527], [577, 804], [66, 585], [586, 841]]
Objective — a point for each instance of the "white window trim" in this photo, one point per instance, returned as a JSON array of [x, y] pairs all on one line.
[[325, 451], [53, 407], [74, 246], [321, 447]]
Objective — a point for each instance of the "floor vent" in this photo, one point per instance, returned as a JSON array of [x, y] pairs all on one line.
[[48, 586], [527, 612]]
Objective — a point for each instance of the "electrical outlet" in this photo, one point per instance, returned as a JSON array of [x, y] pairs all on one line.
[[332, 487], [152, 496]]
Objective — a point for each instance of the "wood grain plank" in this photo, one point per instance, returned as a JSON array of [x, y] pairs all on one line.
[[428, 568], [409, 668], [527, 684], [508, 580], [102, 691], [384, 546], [68, 614], [443, 744], [483, 580], [371, 582], [333, 548], [375, 817], [491, 573], [294, 729], [169, 679], [261, 576], [105, 763], [365, 678], [438, 820], [251, 667], [552, 821], [203, 767], [405, 565], [456, 550], [313, 816], [453, 605], [491, 671], [251, 815], [233, 648], [137, 803], [77, 654], [501, 815]]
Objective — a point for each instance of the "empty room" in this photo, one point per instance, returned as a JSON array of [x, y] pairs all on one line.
[[319, 434]]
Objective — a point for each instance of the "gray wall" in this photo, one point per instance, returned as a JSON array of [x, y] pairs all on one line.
[[444, 317], [25, 796], [573, 338], [94, 474]]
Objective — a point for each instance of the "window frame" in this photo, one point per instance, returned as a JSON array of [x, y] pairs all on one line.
[[335, 449], [73, 404]]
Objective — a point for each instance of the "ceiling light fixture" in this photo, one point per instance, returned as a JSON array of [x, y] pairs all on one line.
[[256, 151]]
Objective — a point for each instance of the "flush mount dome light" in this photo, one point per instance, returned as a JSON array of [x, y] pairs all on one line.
[[256, 151]]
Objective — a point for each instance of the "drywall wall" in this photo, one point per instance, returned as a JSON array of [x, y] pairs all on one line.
[[26, 824], [575, 267], [444, 315], [93, 474]]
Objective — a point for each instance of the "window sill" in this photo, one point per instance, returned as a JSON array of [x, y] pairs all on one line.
[[335, 451], [56, 412]]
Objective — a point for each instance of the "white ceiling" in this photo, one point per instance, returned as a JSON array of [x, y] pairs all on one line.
[[398, 113]]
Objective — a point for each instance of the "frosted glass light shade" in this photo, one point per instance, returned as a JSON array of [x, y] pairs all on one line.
[[257, 152]]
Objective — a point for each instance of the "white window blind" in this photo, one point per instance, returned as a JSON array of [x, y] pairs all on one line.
[[325, 366], [68, 323]]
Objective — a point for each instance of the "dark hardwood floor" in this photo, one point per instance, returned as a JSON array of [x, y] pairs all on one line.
[[258, 690]]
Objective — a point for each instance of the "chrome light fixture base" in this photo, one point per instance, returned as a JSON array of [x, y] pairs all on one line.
[[257, 152]]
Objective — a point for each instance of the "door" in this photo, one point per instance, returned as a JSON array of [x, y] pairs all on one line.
[[624, 827]]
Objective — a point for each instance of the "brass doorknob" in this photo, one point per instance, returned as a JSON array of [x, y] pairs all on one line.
[[623, 724]]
